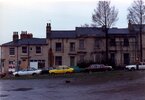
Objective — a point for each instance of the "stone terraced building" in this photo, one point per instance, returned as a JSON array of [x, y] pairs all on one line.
[[70, 47]]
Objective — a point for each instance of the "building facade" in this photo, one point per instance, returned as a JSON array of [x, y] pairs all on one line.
[[61, 47]]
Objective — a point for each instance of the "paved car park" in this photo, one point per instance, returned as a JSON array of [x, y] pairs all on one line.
[[116, 85]]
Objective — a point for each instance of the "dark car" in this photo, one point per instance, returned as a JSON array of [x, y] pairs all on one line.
[[46, 70], [98, 67], [77, 69]]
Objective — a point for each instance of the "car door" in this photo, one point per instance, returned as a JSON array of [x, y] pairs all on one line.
[[142, 66], [66, 70], [30, 72], [59, 70], [23, 72]]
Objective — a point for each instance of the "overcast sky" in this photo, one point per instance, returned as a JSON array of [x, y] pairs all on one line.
[[32, 15]]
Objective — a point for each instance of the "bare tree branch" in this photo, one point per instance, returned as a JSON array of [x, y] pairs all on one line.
[[136, 13], [104, 14]]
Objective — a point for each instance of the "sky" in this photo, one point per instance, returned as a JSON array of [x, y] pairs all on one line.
[[32, 15]]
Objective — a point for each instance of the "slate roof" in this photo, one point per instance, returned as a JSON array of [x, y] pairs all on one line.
[[89, 31], [118, 31], [63, 34], [30, 41], [70, 34]]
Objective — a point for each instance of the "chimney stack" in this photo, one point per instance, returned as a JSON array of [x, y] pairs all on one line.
[[15, 36], [48, 30], [29, 35], [130, 26], [25, 35]]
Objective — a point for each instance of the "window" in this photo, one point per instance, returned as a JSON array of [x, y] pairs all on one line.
[[82, 58], [126, 42], [11, 51], [38, 49], [97, 43], [112, 42], [72, 61], [58, 47], [72, 46], [11, 66], [24, 49], [98, 58], [81, 44], [11, 62], [58, 60]]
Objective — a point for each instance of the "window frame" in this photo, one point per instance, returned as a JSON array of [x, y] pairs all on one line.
[[81, 44], [126, 42], [24, 49], [58, 46], [11, 51], [38, 49], [72, 46], [113, 42], [58, 60], [97, 43]]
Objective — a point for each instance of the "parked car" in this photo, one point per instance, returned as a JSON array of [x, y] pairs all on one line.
[[77, 69], [61, 69], [141, 65], [31, 71], [98, 67], [46, 70]]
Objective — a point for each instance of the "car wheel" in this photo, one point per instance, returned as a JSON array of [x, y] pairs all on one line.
[[17, 75], [132, 69], [52, 73], [68, 72], [34, 74], [109, 69], [90, 72]]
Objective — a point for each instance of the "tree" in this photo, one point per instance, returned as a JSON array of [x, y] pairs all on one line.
[[136, 15], [105, 16]]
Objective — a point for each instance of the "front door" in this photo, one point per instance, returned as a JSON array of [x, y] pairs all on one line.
[[126, 59]]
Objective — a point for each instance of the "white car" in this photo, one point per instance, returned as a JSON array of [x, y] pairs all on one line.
[[134, 67], [31, 71]]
